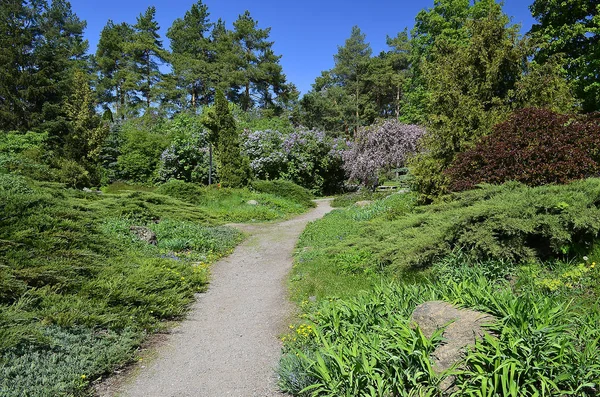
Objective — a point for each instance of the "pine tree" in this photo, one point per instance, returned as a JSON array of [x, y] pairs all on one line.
[[191, 56], [259, 73], [233, 169], [40, 46], [351, 63], [117, 80], [148, 54]]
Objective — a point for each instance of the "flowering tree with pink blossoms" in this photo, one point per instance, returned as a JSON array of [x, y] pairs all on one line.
[[380, 147]]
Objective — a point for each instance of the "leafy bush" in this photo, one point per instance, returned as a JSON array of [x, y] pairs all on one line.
[[535, 147], [306, 157], [73, 174], [379, 148], [26, 154], [285, 189], [143, 141], [186, 159]]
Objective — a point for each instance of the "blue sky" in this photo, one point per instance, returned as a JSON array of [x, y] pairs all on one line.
[[306, 33]]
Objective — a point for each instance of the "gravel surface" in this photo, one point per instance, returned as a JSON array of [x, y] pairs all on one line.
[[229, 345]]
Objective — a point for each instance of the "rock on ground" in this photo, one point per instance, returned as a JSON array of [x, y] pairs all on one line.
[[144, 234], [464, 327]]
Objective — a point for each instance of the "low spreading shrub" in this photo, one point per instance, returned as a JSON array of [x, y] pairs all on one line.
[[510, 222], [78, 291], [535, 147], [285, 189]]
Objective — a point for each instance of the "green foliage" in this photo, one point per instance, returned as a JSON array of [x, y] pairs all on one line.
[[233, 170], [285, 189], [41, 46], [511, 222], [25, 154], [231, 204], [78, 291], [143, 142], [72, 174], [570, 28], [366, 346]]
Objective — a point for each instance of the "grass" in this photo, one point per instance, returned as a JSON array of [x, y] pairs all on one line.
[[355, 337], [79, 292], [348, 199]]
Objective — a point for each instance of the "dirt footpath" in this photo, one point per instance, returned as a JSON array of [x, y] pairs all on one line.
[[229, 345]]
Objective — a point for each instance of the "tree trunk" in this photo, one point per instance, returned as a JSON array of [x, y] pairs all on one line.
[[247, 102], [398, 101], [148, 78]]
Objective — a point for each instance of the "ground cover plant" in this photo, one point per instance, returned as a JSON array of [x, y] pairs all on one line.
[[510, 222], [356, 338], [79, 291], [232, 204], [365, 345]]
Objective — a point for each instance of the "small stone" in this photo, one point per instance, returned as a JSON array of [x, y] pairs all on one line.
[[144, 234], [252, 202], [363, 203], [312, 298]]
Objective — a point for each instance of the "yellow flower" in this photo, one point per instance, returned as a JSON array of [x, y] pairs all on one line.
[[83, 376]]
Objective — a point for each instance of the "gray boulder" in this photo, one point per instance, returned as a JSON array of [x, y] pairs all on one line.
[[464, 327], [252, 202], [144, 234]]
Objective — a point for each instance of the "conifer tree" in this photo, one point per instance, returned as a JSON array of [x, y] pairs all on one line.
[[148, 54], [117, 80], [87, 132], [233, 169], [40, 46], [259, 74], [191, 55]]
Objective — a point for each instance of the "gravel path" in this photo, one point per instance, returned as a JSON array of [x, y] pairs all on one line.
[[229, 345]]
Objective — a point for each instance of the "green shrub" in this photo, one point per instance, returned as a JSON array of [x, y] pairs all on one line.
[[14, 184], [285, 189], [511, 222], [73, 174], [189, 192], [26, 154], [78, 291]]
